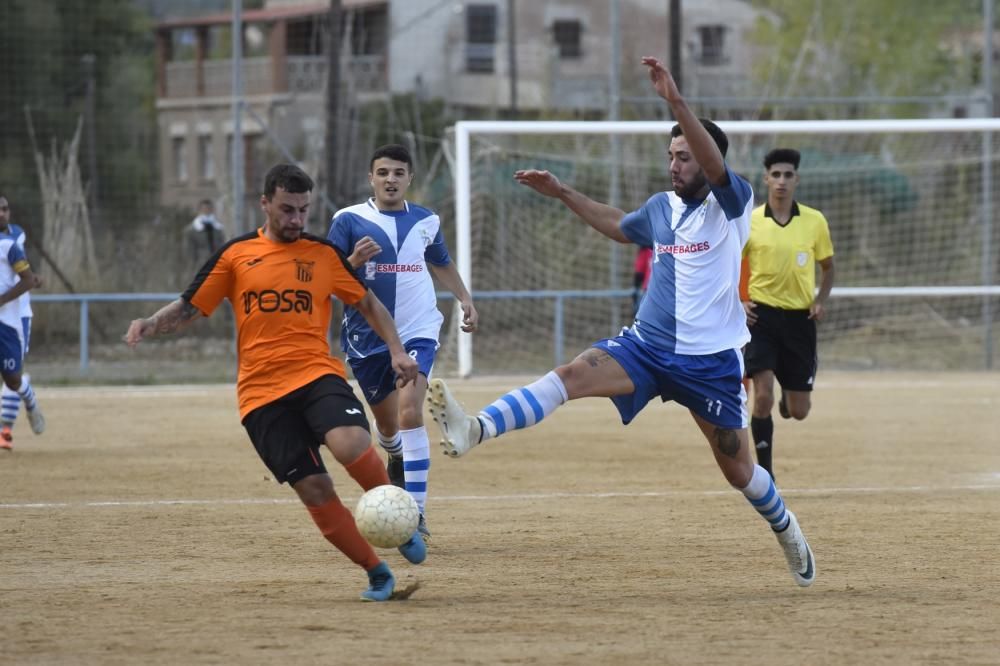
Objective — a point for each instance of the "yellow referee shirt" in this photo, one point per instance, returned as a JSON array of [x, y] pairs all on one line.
[[783, 259]]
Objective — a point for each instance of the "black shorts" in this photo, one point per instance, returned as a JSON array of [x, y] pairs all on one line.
[[288, 432], [783, 341]]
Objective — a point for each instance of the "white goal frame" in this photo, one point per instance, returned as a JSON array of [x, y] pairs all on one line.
[[463, 187]]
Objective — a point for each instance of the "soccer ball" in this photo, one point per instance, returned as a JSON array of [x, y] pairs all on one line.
[[387, 516]]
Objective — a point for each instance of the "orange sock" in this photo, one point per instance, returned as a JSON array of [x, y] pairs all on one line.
[[336, 523], [368, 470]]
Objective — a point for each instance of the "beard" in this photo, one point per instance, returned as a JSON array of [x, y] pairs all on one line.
[[694, 188]]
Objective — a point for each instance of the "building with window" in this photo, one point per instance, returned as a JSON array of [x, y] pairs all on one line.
[[465, 52]]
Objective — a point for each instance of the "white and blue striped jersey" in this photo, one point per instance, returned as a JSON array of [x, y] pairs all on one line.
[[398, 275], [14, 261], [692, 305]]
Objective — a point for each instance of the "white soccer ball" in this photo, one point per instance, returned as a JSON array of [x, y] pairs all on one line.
[[387, 516]]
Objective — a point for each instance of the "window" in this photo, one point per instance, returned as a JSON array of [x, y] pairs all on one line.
[[480, 38], [712, 44], [567, 37], [206, 160], [179, 153]]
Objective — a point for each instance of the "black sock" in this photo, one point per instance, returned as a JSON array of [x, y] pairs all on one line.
[[763, 431]]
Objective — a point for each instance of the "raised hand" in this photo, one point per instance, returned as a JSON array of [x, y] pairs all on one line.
[[662, 79], [542, 182]]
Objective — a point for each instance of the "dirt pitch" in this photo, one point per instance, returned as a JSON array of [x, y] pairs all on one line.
[[142, 529]]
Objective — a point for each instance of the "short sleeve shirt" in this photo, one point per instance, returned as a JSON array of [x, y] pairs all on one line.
[[782, 259], [280, 294]]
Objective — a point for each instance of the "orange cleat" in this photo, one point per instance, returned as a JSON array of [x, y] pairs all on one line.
[[6, 438]]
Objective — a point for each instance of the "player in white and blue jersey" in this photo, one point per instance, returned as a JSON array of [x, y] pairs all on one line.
[[10, 401], [394, 245], [685, 344], [16, 279]]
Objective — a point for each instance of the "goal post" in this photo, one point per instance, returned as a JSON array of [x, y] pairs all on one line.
[[910, 205]]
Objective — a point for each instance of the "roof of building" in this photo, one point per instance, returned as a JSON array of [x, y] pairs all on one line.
[[263, 15]]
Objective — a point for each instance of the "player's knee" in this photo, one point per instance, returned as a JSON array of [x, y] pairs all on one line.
[[347, 443], [410, 417], [763, 404], [738, 474], [571, 375], [799, 412], [315, 489]]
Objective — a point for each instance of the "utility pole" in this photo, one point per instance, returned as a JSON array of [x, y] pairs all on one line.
[[512, 57], [988, 268], [676, 42], [238, 173], [333, 47], [614, 103]]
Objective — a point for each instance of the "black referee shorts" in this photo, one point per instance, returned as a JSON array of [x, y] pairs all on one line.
[[288, 432], [783, 341]]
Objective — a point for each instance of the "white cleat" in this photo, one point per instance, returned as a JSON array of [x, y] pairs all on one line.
[[797, 552], [461, 432], [36, 420]]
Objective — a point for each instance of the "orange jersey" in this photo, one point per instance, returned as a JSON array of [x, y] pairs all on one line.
[[280, 294]]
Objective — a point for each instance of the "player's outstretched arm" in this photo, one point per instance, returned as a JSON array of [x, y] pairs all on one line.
[[448, 276], [706, 153], [602, 217], [381, 322], [168, 319]]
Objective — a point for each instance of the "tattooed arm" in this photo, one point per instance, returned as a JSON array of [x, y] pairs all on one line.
[[168, 319]]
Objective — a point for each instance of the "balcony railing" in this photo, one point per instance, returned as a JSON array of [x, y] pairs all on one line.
[[366, 73]]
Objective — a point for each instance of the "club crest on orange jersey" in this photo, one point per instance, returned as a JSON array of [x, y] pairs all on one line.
[[304, 270]]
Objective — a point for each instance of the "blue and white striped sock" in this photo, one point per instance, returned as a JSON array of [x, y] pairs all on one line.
[[764, 496], [523, 407], [10, 405], [392, 444], [27, 394], [416, 463]]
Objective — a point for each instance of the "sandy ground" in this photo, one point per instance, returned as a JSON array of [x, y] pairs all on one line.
[[142, 529]]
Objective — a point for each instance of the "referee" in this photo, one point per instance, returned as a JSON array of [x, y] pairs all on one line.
[[787, 240]]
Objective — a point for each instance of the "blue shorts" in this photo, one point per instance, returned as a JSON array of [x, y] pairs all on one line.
[[711, 385], [11, 349], [375, 375]]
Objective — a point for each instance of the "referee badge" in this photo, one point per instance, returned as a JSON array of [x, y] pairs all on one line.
[[802, 258]]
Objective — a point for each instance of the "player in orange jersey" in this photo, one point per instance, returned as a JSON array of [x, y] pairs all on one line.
[[293, 395]]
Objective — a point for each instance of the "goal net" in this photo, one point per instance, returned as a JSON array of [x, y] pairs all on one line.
[[916, 257]]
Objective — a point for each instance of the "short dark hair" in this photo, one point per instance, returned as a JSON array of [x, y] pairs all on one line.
[[788, 155], [721, 140], [288, 177], [206, 202], [393, 151]]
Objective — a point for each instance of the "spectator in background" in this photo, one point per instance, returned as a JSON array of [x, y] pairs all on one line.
[[205, 232]]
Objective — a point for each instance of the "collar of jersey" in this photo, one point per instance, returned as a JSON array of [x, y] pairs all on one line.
[[389, 213], [792, 215]]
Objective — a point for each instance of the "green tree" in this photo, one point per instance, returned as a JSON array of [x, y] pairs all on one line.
[[43, 45], [865, 48]]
